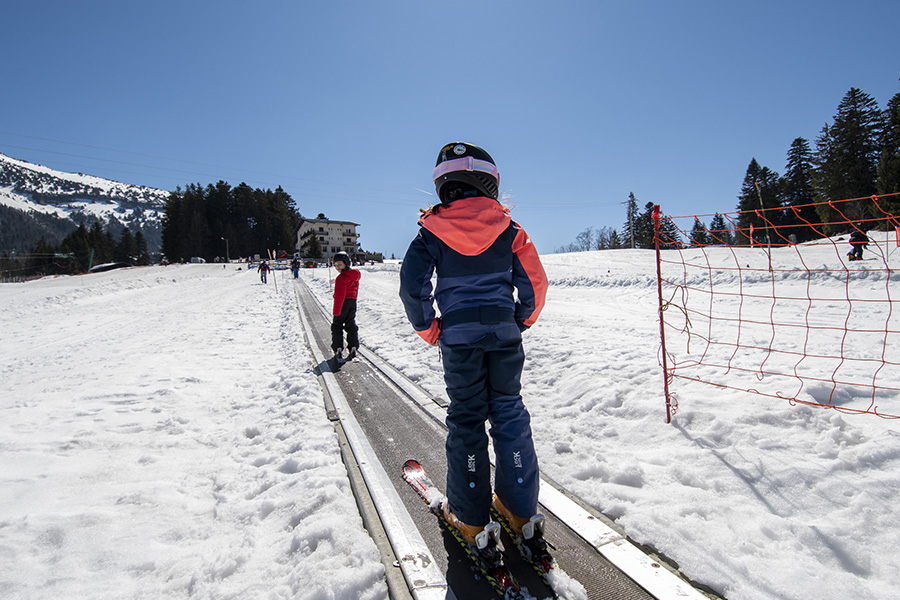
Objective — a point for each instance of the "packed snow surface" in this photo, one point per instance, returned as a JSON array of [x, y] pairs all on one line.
[[162, 435]]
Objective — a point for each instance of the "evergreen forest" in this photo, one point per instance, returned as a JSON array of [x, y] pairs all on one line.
[[856, 156], [78, 252], [221, 222]]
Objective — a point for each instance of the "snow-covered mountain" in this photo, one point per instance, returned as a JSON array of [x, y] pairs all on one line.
[[36, 201]]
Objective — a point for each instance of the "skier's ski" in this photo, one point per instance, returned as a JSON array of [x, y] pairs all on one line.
[[487, 561], [535, 549], [536, 552]]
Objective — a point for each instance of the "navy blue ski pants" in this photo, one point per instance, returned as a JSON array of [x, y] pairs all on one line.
[[484, 383]]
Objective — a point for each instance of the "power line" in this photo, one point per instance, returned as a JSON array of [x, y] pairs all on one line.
[[177, 160], [297, 192]]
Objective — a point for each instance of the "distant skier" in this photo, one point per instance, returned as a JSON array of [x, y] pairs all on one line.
[[858, 241], [263, 270], [346, 290], [295, 268], [481, 257]]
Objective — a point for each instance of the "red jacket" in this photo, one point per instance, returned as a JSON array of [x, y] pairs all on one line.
[[345, 286]]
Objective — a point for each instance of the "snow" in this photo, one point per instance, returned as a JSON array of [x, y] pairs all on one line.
[[80, 193], [108, 186], [163, 435], [21, 202], [64, 210]]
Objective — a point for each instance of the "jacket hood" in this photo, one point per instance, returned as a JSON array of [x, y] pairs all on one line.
[[469, 225]]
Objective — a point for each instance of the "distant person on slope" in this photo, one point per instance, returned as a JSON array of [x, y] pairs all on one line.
[[346, 290], [263, 270], [858, 241], [481, 257]]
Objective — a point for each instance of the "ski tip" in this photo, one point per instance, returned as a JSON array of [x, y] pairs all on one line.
[[411, 468]]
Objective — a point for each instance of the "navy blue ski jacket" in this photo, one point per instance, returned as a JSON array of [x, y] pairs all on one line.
[[481, 255]]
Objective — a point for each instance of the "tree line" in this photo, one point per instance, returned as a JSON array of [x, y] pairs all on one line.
[[216, 221], [80, 250], [855, 157], [219, 221]]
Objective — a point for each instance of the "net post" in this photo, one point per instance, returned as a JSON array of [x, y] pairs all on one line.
[[660, 309]]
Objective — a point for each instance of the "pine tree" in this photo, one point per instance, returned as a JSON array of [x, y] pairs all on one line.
[[109, 243], [846, 160], [220, 202], [759, 204], [172, 226], [285, 220], [699, 235], [615, 241], [643, 228], [77, 245], [800, 216], [143, 252], [127, 249], [311, 247], [99, 245], [889, 162], [719, 232], [607, 239], [644, 231], [669, 234], [631, 213], [40, 260]]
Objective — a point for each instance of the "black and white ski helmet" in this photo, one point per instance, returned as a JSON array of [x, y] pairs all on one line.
[[469, 165], [343, 257]]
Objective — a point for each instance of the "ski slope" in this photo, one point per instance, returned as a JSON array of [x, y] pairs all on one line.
[[163, 436]]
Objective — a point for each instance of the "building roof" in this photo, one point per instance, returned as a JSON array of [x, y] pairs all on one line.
[[305, 220]]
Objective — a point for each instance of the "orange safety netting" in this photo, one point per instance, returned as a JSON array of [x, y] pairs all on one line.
[[749, 308]]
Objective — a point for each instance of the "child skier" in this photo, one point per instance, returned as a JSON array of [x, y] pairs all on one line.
[[346, 290], [858, 241], [481, 256]]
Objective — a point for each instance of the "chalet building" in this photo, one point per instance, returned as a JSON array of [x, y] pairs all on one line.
[[330, 236]]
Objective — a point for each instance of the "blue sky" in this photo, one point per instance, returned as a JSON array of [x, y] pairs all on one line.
[[345, 104]]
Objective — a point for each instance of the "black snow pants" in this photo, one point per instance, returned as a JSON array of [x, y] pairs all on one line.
[[346, 321]]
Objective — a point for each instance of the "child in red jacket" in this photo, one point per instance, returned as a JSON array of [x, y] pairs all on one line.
[[346, 289]]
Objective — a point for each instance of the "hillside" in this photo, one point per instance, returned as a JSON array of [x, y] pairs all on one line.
[[36, 201]]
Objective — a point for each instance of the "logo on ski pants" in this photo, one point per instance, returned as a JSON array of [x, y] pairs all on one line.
[[483, 384]]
